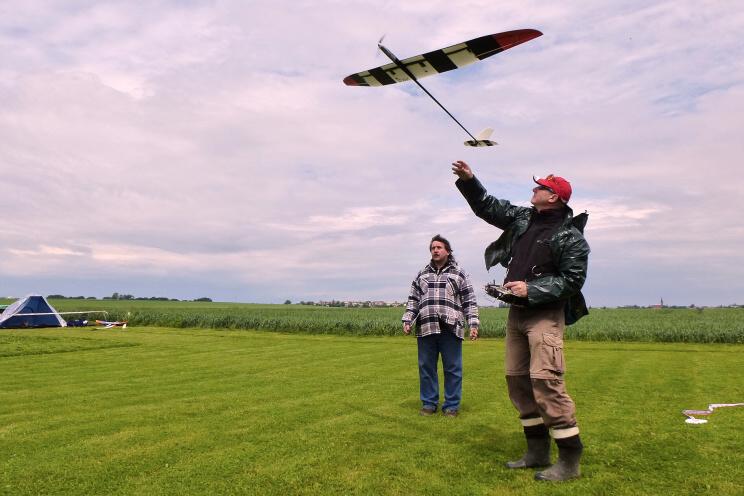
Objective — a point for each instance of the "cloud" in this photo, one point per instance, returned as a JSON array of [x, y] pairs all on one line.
[[182, 148]]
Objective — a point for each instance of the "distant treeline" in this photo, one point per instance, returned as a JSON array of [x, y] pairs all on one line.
[[117, 296], [731, 305]]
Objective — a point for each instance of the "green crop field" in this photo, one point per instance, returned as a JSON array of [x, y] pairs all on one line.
[[150, 410], [709, 325]]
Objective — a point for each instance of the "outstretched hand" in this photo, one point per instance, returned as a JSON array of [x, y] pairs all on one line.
[[462, 170]]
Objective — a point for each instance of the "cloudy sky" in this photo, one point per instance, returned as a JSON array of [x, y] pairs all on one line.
[[197, 148]]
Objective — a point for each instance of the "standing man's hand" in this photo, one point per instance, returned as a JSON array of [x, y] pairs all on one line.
[[473, 333], [406, 329], [462, 170], [519, 288]]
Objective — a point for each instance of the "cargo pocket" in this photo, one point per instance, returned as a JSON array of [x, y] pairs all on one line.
[[551, 354]]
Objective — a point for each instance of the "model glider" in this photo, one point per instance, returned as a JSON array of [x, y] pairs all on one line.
[[443, 60], [108, 324]]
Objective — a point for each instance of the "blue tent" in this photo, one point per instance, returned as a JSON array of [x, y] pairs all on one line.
[[30, 311]]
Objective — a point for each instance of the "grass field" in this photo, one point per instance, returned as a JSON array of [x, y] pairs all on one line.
[[710, 325], [151, 410]]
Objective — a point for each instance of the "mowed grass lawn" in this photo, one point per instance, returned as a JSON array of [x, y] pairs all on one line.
[[166, 411]]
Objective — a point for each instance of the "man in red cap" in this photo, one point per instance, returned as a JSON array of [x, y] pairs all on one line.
[[546, 256]]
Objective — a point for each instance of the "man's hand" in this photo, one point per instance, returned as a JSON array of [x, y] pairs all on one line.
[[407, 329], [519, 288], [473, 333], [462, 170]]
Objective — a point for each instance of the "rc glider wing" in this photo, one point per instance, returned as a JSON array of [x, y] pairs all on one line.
[[443, 60], [446, 59]]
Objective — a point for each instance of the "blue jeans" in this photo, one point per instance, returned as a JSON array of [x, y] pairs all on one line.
[[429, 349]]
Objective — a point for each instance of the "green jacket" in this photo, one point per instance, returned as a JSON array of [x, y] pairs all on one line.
[[569, 248]]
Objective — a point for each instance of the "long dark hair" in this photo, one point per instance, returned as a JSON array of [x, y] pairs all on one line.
[[446, 244]]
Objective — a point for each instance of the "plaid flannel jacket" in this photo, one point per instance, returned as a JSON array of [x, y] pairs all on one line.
[[438, 300]]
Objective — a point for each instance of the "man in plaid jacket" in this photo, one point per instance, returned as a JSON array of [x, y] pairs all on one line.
[[440, 294]]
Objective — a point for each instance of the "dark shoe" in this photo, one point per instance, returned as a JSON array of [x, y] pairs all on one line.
[[567, 466], [450, 413], [537, 455], [427, 411]]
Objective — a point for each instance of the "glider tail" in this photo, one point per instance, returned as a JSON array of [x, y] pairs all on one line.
[[482, 139]]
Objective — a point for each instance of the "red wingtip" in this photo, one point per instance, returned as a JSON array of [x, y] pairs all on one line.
[[517, 37], [350, 81]]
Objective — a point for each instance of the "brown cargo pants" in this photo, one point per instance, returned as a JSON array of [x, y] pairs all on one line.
[[535, 367]]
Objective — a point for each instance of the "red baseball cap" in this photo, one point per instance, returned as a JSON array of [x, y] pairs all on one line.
[[557, 184]]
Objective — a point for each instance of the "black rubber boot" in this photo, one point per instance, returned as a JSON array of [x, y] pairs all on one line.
[[537, 455], [567, 466]]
